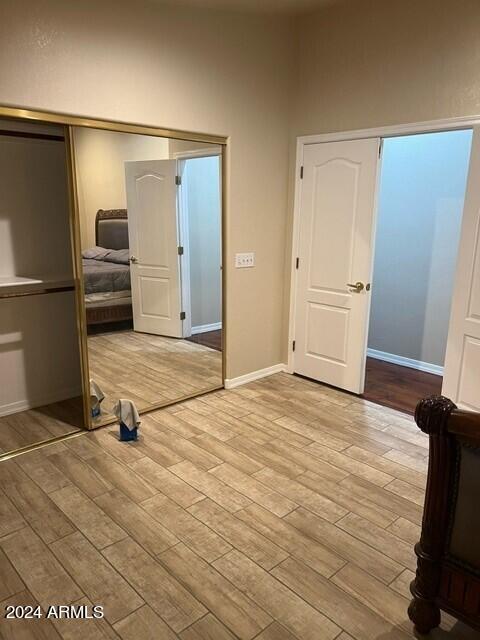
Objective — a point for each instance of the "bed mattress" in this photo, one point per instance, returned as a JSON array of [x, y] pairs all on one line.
[[102, 277], [108, 299]]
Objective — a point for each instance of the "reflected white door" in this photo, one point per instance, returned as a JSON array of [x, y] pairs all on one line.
[[153, 238], [461, 378], [337, 212]]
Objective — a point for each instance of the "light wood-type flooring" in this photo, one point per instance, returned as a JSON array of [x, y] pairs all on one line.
[[150, 369], [145, 368], [30, 427], [280, 510]]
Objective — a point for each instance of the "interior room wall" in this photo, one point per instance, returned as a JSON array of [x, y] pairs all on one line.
[[34, 231], [356, 71], [202, 184], [210, 71], [420, 210], [100, 160], [370, 63], [39, 358], [240, 75]]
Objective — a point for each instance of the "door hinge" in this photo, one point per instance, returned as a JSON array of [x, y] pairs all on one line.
[[180, 251], [297, 262], [293, 345], [183, 315], [178, 180], [301, 173], [380, 148]]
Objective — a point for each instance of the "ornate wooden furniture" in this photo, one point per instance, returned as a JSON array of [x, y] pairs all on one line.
[[448, 570]]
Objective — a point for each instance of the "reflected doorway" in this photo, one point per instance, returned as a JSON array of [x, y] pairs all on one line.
[[150, 222]]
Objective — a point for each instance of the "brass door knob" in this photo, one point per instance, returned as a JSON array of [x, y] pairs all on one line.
[[357, 287], [133, 259]]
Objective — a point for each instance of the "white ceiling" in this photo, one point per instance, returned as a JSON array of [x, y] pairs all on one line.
[[270, 6]]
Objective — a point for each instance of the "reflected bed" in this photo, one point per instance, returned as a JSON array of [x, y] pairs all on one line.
[[106, 270]]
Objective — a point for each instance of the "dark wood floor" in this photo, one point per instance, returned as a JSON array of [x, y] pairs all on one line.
[[212, 339], [398, 387]]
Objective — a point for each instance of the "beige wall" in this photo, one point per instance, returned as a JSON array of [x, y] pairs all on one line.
[[220, 73], [100, 158], [368, 63], [362, 63]]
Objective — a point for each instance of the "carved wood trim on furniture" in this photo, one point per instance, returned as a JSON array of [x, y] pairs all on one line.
[[112, 313], [108, 214], [448, 567], [111, 232]]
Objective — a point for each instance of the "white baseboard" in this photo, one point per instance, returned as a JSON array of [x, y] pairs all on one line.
[[24, 405], [203, 328], [254, 375], [406, 362]]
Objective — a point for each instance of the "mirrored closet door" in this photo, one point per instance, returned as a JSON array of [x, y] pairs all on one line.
[[149, 212], [41, 388]]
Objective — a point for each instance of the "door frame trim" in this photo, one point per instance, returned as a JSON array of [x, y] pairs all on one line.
[[181, 158], [55, 117], [397, 130]]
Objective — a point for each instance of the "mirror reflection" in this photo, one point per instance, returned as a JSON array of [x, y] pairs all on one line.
[[150, 222]]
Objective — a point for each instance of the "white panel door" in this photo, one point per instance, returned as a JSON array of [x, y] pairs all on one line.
[[461, 380], [153, 238], [337, 211]]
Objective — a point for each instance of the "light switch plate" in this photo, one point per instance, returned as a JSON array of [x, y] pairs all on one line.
[[244, 260]]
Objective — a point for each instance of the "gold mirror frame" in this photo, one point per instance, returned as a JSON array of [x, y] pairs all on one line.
[[70, 121]]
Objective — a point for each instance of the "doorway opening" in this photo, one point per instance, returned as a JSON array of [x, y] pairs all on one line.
[[200, 227], [420, 207]]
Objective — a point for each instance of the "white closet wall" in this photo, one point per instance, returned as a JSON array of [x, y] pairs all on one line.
[[39, 358], [34, 231], [39, 361]]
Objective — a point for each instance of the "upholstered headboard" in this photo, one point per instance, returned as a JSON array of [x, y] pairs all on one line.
[[111, 228]]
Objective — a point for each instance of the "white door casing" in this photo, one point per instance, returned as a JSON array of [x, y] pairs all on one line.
[[182, 158], [153, 238], [461, 381], [182, 203], [335, 247]]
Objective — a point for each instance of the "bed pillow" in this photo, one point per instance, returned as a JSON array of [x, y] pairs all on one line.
[[118, 256], [95, 253]]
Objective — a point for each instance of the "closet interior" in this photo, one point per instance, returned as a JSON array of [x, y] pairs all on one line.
[[41, 388]]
